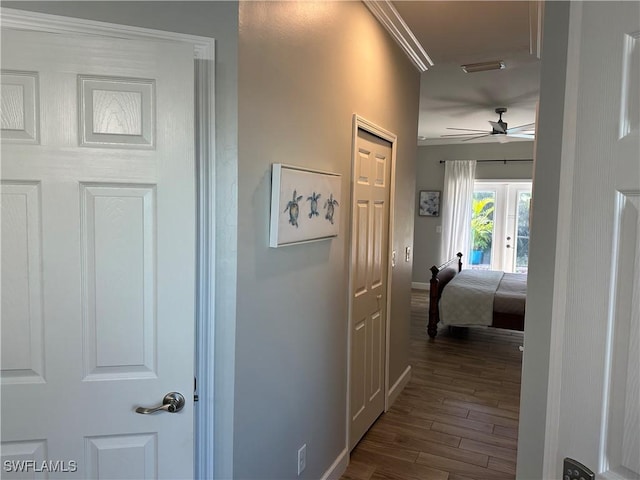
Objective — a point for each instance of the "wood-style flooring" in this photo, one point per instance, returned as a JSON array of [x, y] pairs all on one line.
[[457, 419]]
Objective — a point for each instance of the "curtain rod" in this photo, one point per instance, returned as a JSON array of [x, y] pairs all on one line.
[[505, 160]]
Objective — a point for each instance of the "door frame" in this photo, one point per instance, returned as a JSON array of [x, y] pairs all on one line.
[[563, 237], [360, 122], [204, 97], [554, 154]]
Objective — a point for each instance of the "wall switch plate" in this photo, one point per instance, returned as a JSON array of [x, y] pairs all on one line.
[[439, 229], [302, 458], [574, 470]]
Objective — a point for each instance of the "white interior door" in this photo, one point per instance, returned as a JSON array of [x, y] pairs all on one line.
[[98, 252], [369, 266], [598, 414]]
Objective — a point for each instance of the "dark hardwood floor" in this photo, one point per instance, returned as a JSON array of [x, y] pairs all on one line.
[[457, 419]]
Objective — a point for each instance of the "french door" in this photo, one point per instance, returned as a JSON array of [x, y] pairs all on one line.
[[500, 226]]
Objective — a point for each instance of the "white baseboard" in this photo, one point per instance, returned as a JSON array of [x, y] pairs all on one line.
[[397, 387], [420, 285], [336, 470]]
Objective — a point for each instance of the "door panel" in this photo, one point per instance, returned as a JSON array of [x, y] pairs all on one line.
[[624, 396], [600, 352], [118, 243], [370, 238], [20, 107], [375, 344], [23, 355], [378, 260], [98, 253], [358, 362], [361, 245], [106, 455]]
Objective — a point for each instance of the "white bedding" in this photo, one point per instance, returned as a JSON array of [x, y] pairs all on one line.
[[468, 298]]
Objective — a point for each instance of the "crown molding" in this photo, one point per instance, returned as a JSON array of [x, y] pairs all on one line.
[[536, 14], [203, 47], [391, 20]]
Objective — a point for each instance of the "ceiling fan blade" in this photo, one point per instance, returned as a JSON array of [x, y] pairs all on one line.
[[521, 135], [468, 130], [521, 128], [474, 138], [465, 134], [497, 127]]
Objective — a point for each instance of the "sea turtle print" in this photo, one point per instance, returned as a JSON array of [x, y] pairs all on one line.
[[330, 206], [314, 204], [294, 209]]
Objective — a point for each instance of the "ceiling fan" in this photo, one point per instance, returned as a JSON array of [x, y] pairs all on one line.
[[498, 128]]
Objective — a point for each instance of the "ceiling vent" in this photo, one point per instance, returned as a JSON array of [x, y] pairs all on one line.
[[483, 66]]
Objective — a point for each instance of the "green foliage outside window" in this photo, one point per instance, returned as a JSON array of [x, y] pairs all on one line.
[[482, 222]]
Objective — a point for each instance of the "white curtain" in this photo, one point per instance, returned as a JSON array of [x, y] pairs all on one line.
[[459, 176]]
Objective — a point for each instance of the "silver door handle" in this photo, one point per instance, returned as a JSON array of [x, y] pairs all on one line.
[[379, 297], [172, 402]]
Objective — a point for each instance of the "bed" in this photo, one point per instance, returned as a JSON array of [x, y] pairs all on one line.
[[464, 298]]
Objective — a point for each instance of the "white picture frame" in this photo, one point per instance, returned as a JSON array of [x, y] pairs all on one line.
[[305, 205]]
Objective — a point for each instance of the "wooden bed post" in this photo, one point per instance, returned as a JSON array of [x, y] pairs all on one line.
[[434, 294], [434, 289]]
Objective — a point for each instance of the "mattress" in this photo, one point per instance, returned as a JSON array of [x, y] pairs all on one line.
[[473, 296], [511, 295]]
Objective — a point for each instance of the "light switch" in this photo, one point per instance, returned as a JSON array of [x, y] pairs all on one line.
[[439, 229]]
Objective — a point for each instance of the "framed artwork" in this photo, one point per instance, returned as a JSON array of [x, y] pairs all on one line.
[[305, 205], [429, 203]]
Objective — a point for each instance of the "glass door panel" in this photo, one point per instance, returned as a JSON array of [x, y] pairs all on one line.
[[522, 233], [482, 228]]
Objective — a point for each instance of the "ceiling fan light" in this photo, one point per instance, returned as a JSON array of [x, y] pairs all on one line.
[[483, 66]]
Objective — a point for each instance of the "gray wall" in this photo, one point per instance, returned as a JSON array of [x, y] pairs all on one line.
[[218, 20], [304, 70], [430, 176]]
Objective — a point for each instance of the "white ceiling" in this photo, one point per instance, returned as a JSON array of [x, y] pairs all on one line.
[[461, 32]]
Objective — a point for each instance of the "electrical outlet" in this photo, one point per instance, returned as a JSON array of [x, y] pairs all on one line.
[[302, 458], [574, 470]]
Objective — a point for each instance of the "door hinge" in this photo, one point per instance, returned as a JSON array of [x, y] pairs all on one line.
[[195, 390]]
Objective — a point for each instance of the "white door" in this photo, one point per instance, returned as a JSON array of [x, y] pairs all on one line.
[[98, 248], [369, 265], [599, 401]]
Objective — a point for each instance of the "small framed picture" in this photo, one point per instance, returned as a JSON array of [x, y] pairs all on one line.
[[429, 203]]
